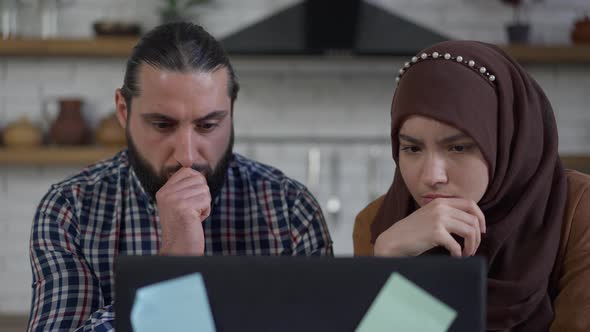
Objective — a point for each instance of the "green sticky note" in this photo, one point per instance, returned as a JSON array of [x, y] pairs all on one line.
[[403, 306]]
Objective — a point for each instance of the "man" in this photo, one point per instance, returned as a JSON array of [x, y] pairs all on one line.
[[177, 190]]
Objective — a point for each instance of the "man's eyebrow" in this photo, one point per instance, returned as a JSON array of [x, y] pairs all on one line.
[[213, 116], [157, 116]]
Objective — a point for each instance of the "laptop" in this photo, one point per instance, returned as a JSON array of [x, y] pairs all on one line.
[[305, 293]]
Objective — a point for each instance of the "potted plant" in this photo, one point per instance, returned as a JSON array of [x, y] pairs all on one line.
[[173, 10], [518, 30]]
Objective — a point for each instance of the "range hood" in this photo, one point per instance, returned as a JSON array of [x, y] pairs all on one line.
[[320, 27]]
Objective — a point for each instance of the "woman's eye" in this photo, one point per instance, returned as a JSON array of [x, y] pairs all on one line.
[[459, 148]]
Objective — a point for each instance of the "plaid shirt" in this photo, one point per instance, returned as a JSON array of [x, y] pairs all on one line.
[[84, 222]]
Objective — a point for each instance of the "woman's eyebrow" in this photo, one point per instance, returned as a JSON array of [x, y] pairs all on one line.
[[453, 138], [411, 139]]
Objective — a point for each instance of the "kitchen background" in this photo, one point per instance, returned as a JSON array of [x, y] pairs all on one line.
[[323, 120]]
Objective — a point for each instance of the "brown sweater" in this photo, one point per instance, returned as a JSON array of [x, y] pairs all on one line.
[[571, 274]]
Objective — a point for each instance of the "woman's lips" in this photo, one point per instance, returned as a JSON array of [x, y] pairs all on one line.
[[431, 197]]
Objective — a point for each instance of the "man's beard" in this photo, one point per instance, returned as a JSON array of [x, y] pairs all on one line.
[[152, 181]]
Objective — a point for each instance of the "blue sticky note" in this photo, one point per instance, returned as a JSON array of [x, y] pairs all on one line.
[[179, 304], [403, 306]]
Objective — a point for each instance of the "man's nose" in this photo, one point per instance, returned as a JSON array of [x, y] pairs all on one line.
[[185, 147]]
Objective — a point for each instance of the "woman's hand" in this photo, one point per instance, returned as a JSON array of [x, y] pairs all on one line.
[[431, 226]]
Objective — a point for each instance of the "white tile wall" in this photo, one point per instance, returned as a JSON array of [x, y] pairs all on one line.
[[333, 97]]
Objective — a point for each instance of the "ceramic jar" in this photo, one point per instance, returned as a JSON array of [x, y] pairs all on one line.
[[69, 128], [581, 32]]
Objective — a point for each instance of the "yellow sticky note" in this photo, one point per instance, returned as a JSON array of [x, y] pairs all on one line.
[[403, 306]]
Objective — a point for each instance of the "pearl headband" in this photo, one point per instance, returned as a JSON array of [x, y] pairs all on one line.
[[447, 56]]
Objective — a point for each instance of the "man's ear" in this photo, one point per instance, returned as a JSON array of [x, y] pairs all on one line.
[[121, 108]]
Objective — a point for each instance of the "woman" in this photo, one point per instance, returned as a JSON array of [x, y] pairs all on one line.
[[475, 141]]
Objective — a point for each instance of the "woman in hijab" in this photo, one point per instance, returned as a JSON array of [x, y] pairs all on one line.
[[475, 142]]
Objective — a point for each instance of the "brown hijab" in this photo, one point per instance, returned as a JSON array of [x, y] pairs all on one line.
[[505, 111]]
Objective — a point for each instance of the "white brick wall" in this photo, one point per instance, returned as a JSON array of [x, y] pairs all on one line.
[[330, 97]]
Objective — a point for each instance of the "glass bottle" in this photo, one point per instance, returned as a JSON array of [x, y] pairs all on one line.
[[48, 12], [8, 18]]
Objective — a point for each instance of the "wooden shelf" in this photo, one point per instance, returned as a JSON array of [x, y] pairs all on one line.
[[121, 47], [53, 156], [577, 162], [98, 47], [550, 54]]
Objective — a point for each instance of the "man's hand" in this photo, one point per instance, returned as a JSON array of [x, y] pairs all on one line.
[[431, 226], [183, 203]]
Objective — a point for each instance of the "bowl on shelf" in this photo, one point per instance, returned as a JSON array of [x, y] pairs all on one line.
[[116, 29], [22, 134], [110, 133]]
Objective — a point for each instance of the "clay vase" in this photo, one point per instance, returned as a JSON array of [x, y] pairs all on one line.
[[110, 132], [22, 134], [69, 128], [581, 32]]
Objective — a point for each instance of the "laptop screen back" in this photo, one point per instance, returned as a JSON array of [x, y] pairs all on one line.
[[305, 293]]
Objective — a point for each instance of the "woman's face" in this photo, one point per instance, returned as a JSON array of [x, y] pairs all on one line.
[[437, 160]]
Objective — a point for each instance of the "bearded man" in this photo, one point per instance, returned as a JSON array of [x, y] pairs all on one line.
[[178, 188]]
